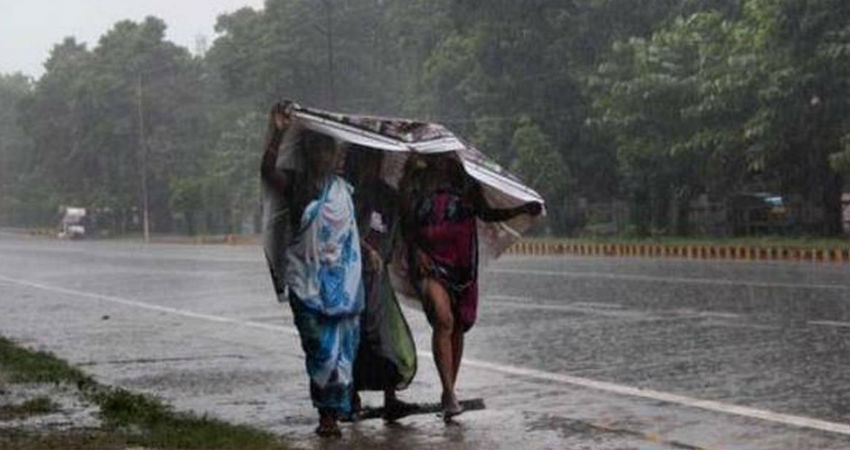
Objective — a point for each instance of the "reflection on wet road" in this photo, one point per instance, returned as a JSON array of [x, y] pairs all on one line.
[[568, 352], [773, 336]]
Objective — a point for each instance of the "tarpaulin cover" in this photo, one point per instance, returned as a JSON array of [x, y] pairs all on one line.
[[400, 138]]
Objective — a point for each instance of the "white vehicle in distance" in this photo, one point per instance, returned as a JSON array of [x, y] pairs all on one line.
[[72, 224]]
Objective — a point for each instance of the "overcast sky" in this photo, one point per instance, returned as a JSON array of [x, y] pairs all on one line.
[[30, 28]]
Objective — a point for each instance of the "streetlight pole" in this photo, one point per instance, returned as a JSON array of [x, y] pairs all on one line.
[[143, 150]]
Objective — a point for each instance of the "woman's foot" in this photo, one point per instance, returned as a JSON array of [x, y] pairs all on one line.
[[451, 407], [328, 427], [356, 409]]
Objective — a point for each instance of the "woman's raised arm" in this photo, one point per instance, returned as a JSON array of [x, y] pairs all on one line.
[[278, 123], [488, 214]]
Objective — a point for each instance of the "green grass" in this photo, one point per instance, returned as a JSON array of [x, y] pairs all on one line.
[[33, 407], [129, 419], [27, 366], [61, 440], [161, 427]]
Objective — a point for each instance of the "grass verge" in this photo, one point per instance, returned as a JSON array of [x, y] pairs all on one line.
[[129, 419], [28, 366], [33, 407]]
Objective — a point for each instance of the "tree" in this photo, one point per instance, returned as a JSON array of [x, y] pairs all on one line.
[[232, 187], [803, 103], [356, 56], [105, 121], [658, 103], [14, 146], [54, 120], [148, 92], [542, 167], [669, 103]]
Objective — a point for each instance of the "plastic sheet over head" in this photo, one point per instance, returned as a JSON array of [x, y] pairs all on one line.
[[400, 139]]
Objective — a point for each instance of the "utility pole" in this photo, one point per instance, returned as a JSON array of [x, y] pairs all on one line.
[[143, 150]]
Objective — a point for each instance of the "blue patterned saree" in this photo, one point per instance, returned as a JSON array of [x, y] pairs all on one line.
[[326, 293]]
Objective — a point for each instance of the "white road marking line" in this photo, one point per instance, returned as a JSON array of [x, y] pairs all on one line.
[[750, 326], [715, 318], [710, 281], [830, 323], [601, 305], [695, 313], [242, 292], [608, 309], [710, 405], [530, 303], [545, 307], [718, 314], [149, 306]]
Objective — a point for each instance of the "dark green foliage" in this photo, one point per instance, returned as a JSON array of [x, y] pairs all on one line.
[[655, 104]]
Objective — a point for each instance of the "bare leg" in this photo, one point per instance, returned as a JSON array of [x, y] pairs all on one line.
[[442, 343], [457, 352], [442, 321]]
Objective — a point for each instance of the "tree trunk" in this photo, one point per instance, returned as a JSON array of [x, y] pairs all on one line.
[[832, 188], [683, 225], [641, 214]]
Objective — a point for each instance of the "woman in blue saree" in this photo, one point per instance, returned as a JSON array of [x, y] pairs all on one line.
[[323, 273]]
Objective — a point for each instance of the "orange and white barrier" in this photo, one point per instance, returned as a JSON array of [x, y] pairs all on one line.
[[685, 251]]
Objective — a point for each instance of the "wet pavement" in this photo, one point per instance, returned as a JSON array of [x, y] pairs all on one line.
[[582, 353]]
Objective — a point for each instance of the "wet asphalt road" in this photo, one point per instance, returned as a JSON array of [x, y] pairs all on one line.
[[568, 352]]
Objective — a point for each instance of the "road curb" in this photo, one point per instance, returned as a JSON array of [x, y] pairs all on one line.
[[682, 251]]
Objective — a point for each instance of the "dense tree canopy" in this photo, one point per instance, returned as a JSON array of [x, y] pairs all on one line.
[[587, 100]]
